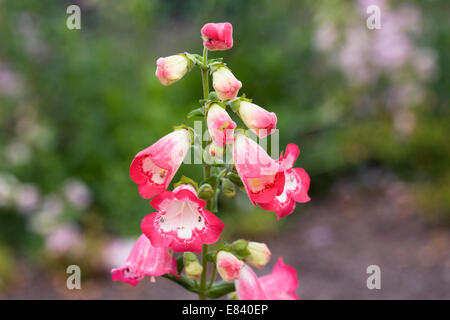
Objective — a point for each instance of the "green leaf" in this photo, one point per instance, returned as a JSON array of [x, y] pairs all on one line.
[[219, 289], [215, 60], [235, 178], [195, 113], [183, 281]]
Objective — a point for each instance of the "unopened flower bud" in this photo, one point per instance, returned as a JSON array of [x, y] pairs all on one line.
[[259, 254], [220, 125], [206, 191], [225, 84], [228, 188], [240, 245], [228, 265], [171, 69], [217, 36], [257, 119], [192, 266]]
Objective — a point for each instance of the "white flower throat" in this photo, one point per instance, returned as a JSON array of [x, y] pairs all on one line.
[[182, 217]]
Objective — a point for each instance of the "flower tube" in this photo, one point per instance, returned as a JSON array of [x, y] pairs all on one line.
[[225, 83], [257, 119], [153, 168], [145, 260], [220, 125], [262, 176]]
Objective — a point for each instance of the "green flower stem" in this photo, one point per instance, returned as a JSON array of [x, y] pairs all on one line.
[[184, 282], [206, 174], [213, 276], [205, 74]]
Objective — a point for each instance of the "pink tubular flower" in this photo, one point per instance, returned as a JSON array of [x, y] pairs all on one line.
[[153, 168], [171, 69], [295, 188], [228, 265], [225, 83], [220, 125], [145, 260], [257, 119], [279, 285], [248, 286], [217, 36], [262, 176], [181, 223]]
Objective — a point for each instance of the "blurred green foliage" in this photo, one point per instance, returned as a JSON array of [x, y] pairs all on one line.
[[95, 94]]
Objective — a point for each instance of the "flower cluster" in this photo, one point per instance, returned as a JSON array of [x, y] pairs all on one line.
[[184, 220]]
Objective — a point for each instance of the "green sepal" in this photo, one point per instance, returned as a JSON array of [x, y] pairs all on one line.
[[186, 180], [240, 248], [210, 257], [235, 179], [228, 188], [213, 96], [206, 191], [213, 181], [235, 103], [216, 65], [180, 264], [195, 59]]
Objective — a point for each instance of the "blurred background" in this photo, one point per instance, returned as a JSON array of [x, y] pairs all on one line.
[[368, 108]]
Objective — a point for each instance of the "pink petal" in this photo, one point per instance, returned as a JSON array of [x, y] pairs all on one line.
[[287, 161], [248, 286], [262, 176], [282, 283], [302, 194], [144, 259]]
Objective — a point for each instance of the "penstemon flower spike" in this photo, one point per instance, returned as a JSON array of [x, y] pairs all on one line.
[[184, 223]]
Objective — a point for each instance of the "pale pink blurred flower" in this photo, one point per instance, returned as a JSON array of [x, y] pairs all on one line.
[[352, 57], [10, 84], [27, 198], [46, 218], [362, 6], [77, 193], [17, 153], [391, 46], [424, 62], [116, 252], [325, 36], [63, 239]]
